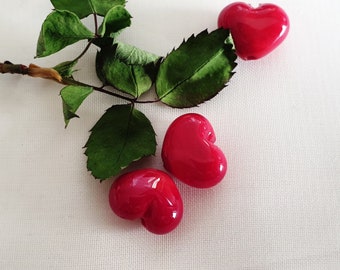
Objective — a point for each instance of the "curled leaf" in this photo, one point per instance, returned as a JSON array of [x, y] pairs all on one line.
[[65, 69], [60, 29], [127, 68], [115, 20], [72, 97]]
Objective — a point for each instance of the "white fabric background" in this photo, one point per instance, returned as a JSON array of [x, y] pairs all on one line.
[[277, 122]]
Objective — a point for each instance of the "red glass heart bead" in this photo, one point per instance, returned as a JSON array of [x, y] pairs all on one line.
[[150, 195], [189, 152], [255, 31]]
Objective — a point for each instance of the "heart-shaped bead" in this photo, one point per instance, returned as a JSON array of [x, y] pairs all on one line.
[[150, 195], [255, 31], [190, 154]]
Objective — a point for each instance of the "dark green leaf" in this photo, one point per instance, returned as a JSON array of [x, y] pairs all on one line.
[[122, 135], [60, 29], [103, 42], [127, 68], [84, 8], [65, 69], [115, 20], [197, 70], [72, 97]]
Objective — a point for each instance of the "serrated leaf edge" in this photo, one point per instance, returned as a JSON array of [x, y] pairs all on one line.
[[122, 167], [224, 50]]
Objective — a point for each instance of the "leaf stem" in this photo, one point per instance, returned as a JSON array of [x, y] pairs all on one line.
[[91, 40], [69, 81], [147, 101], [95, 24], [84, 51]]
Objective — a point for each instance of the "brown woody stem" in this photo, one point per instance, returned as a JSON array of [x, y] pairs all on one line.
[[51, 74], [32, 70], [9, 67]]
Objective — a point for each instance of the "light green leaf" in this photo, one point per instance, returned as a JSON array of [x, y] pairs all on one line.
[[115, 20], [135, 56], [65, 69], [83, 8], [72, 97], [127, 68], [60, 29], [197, 70], [121, 136]]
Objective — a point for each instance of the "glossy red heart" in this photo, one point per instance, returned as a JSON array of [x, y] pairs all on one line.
[[255, 31], [189, 152], [150, 195]]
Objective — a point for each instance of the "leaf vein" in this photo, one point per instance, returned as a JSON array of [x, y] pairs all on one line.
[[125, 136], [218, 53]]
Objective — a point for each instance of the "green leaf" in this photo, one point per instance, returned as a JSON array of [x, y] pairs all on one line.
[[121, 136], [60, 29], [197, 70], [127, 68], [83, 8], [115, 20], [72, 97], [65, 69], [134, 56]]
